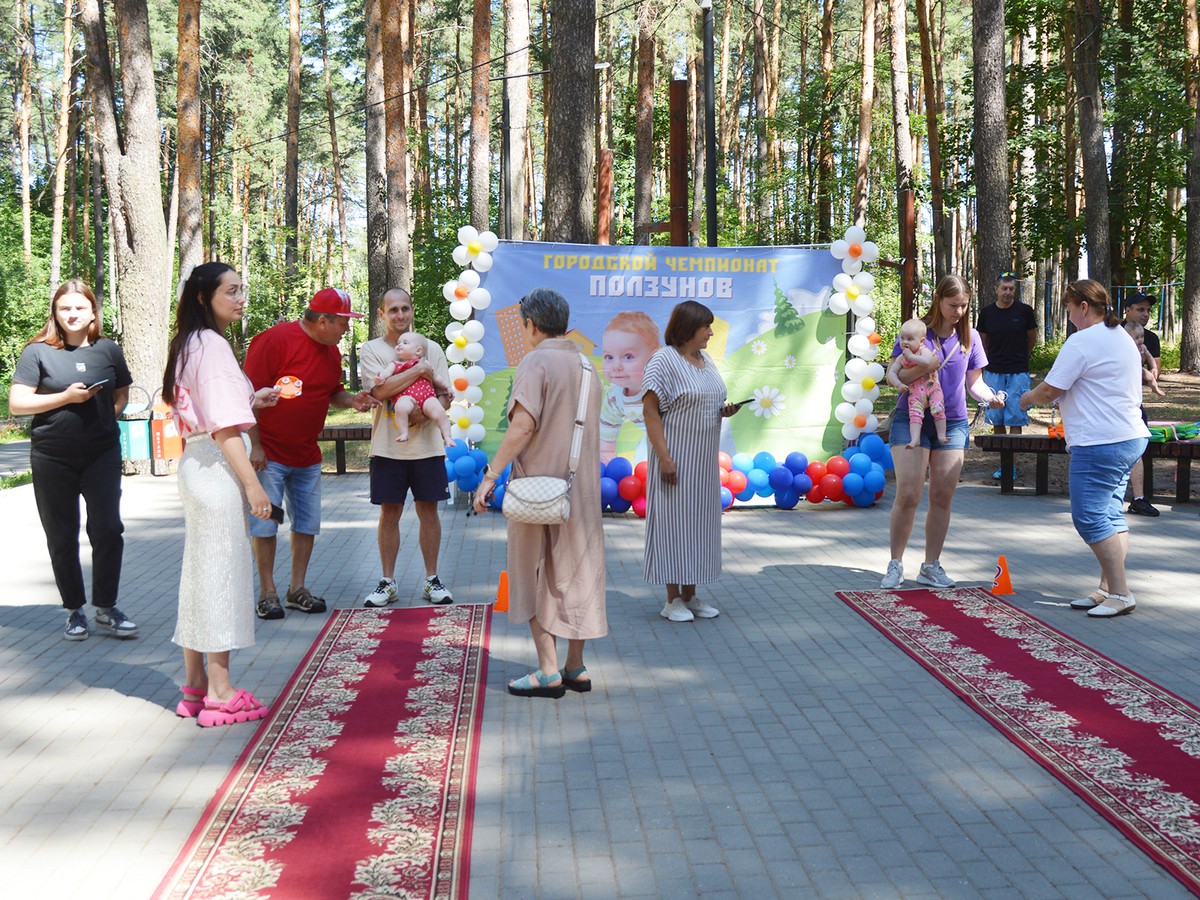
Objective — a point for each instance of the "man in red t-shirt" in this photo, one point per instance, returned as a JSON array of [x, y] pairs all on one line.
[[302, 359]]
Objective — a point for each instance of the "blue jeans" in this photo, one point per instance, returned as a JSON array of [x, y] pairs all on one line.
[[1014, 384], [303, 489], [1099, 475], [958, 433]]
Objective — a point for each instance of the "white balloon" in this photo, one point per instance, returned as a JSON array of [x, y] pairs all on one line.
[[476, 433], [488, 241], [872, 394], [469, 279], [483, 262], [454, 354], [467, 233], [865, 282], [841, 281], [475, 374], [851, 266], [858, 345], [473, 331], [461, 256], [865, 325], [863, 305], [870, 252], [452, 330], [872, 351], [872, 423], [839, 305], [473, 352], [457, 433], [473, 394], [856, 370], [448, 290], [855, 234], [850, 431], [456, 372], [838, 248], [480, 298], [852, 392], [475, 413], [876, 372], [843, 412], [863, 406], [461, 310]]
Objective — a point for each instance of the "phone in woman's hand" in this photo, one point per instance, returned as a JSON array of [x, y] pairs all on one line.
[[100, 383]]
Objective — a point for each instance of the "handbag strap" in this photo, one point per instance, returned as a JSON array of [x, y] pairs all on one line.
[[577, 435]]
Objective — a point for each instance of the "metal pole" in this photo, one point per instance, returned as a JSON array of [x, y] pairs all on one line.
[[710, 126]]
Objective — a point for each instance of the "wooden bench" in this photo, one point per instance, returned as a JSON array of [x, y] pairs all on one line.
[[1041, 445], [339, 435]]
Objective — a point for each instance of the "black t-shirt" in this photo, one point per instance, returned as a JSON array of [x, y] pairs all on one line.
[[1152, 343], [1007, 333], [90, 426]]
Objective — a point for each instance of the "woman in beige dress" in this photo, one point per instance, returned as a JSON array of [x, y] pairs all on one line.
[[556, 572]]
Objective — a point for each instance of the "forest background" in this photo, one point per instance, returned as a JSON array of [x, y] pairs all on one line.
[[309, 143]]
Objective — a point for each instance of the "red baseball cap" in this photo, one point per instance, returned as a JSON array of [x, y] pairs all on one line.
[[333, 302]]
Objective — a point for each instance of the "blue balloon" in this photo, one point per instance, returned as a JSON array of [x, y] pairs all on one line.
[[618, 467], [787, 499], [743, 462], [757, 479], [746, 494], [504, 476], [797, 462], [620, 505], [450, 473], [852, 483], [765, 491], [608, 491], [873, 482], [726, 497], [764, 461], [457, 449], [780, 478], [887, 458], [872, 445], [469, 482], [860, 464], [464, 466], [481, 459], [496, 500], [801, 484], [864, 499]]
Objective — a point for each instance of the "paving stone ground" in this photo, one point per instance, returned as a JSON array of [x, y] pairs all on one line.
[[785, 749]]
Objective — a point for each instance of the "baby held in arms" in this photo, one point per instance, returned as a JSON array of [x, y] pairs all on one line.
[[410, 350], [1138, 333], [926, 391]]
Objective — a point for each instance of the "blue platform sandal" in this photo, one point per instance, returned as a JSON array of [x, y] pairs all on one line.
[[575, 681], [535, 684]]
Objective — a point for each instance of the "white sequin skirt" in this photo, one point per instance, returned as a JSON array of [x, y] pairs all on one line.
[[216, 593]]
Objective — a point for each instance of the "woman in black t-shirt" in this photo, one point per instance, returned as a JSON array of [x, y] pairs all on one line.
[[74, 382]]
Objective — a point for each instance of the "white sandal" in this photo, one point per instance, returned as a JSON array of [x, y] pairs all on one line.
[[1114, 605]]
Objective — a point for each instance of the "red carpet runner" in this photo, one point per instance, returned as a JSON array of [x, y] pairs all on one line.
[[1126, 746], [361, 781]]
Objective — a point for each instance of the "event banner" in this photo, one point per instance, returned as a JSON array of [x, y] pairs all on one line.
[[775, 343]]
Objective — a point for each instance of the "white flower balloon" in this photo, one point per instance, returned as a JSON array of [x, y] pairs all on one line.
[[473, 329], [483, 262], [489, 241], [475, 374], [480, 298]]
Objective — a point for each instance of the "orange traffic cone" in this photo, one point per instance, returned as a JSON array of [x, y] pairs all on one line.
[[502, 594], [1002, 584]]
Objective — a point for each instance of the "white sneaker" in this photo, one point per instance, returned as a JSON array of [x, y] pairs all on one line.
[[894, 576], [676, 610], [384, 593], [436, 592], [702, 610], [934, 575]]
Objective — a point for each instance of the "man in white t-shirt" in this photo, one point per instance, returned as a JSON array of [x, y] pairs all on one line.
[[417, 465]]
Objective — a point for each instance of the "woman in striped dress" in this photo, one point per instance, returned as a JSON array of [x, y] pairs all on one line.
[[683, 408]]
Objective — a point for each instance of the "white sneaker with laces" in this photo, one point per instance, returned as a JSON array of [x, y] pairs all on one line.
[[436, 592], [676, 611], [894, 577], [934, 575], [702, 610], [384, 593]]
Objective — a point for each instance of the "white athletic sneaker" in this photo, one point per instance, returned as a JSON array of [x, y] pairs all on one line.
[[676, 611], [934, 575], [702, 610], [894, 576], [384, 593], [436, 592]]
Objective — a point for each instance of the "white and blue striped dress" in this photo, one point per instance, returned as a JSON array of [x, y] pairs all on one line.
[[683, 520]]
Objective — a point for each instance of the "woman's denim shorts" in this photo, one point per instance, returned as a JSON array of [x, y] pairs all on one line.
[[1099, 475], [958, 433]]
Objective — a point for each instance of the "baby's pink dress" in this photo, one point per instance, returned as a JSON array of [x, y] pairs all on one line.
[[420, 390], [924, 392]]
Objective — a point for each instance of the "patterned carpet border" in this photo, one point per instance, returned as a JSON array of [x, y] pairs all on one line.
[[403, 690], [1129, 748]]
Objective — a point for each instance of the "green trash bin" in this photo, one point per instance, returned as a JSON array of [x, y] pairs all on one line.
[[134, 425]]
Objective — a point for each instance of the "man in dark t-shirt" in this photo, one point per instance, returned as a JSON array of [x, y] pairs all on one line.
[[1137, 309], [1008, 329]]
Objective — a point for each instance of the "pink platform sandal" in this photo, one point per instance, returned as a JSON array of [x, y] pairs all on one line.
[[191, 704], [241, 707]]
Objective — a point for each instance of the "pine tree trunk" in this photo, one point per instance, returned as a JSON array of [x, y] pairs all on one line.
[[762, 204], [1088, 100], [399, 272], [516, 90], [865, 105], [901, 127], [190, 152], [993, 224], [478, 167], [24, 112], [643, 172], [338, 203], [291, 175], [61, 139], [376, 161], [934, 110], [1189, 347], [825, 150], [569, 202]]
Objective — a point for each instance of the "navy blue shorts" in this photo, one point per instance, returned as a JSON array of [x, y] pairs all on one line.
[[392, 479]]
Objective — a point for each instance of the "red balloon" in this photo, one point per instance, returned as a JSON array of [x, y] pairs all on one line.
[[816, 495], [838, 465], [831, 485], [849, 501], [639, 507], [630, 488], [879, 495], [724, 460], [724, 477], [816, 471], [737, 481], [639, 471]]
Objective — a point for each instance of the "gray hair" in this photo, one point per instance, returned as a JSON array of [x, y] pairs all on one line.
[[547, 309]]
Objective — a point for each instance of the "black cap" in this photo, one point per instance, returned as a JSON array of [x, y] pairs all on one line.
[[1139, 297]]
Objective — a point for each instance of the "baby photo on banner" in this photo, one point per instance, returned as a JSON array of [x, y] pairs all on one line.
[[774, 342]]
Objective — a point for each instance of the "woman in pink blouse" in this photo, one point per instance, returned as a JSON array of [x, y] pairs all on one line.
[[213, 402]]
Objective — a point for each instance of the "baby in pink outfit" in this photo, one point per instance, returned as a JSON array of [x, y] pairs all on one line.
[[410, 350], [925, 392]]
